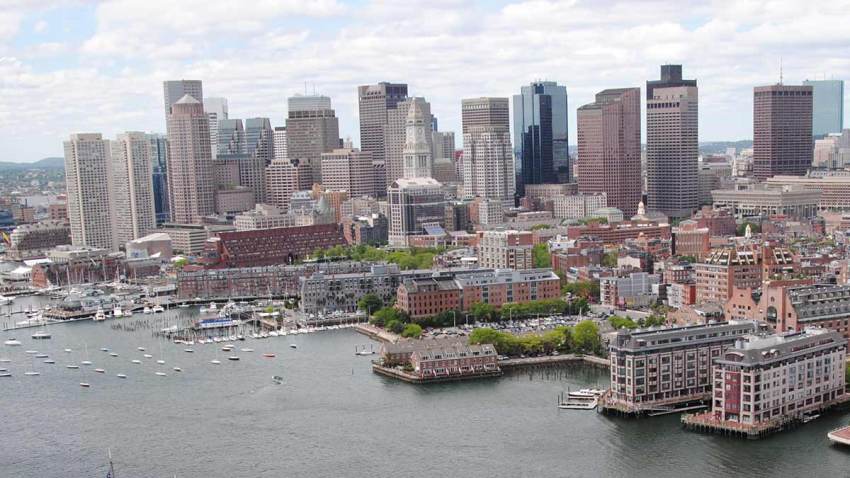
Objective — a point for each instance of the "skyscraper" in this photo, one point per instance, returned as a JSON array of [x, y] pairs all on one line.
[[132, 188], [609, 148], [284, 177], [350, 170], [175, 89], [190, 173], [828, 106], [395, 135], [159, 165], [311, 129], [216, 110], [259, 141], [87, 179], [231, 137], [488, 166], [672, 149], [782, 130], [280, 143], [540, 133], [415, 204], [418, 162], [374, 101]]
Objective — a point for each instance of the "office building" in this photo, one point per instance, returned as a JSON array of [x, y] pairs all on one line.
[[280, 143], [577, 206], [190, 178], [312, 128], [88, 181], [777, 198], [672, 177], [782, 130], [827, 106], [159, 167], [283, 178], [29, 241], [132, 188], [505, 249], [349, 170], [374, 103], [488, 165], [418, 162], [259, 146], [415, 204], [174, 90], [216, 110], [540, 133], [609, 148]]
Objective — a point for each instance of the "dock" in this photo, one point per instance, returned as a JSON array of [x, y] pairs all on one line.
[[413, 378], [516, 363]]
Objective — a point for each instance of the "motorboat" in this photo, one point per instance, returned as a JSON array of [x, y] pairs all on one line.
[[5, 374], [177, 369], [147, 356], [99, 370], [85, 362], [72, 366], [50, 361], [215, 362], [41, 356], [161, 362], [189, 351], [269, 355], [85, 384], [246, 350], [146, 310], [113, 354], [32, 374], [104, 349], [233, 358], [140, 349], [5, 360], [67, 351], [293, 346], [586, 393], [121, 375], [12, 343], [32, 352], [40, 335], [161, 374], [117, 312], [136, 361], [100, 315], [157, 309]]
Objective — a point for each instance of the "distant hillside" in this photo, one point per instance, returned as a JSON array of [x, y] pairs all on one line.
[[46, 163]]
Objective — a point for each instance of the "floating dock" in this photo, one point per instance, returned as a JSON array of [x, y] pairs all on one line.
[[840, 436]]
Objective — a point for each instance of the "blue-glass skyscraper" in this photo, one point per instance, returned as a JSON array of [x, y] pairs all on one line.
[[159, 157], [827, 106], [540, 134]]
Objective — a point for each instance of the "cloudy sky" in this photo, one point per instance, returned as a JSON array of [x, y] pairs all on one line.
[[88, 65]]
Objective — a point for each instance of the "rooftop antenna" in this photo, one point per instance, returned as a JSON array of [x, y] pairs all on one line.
[[780, 69]]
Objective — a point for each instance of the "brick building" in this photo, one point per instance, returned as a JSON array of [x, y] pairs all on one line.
[[264, 247]]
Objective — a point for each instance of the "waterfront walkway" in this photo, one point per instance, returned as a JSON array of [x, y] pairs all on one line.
[[512, 363], [377, 333]]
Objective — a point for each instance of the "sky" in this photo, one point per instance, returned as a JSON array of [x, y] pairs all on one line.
[[69, 66]]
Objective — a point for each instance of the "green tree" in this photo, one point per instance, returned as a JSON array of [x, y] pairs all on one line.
[[483, 312], [386, 314], [413, 331], [586, 338], [609, 259], [538, 227], [370, 303], [395, 326], [688, 259], [180, 263], [619, 322], [540, 255], [588, 289], [742, 228]]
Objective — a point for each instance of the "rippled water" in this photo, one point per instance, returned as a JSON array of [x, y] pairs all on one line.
[[333, 417]]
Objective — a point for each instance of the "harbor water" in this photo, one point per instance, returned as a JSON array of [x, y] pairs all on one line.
[[332, 417]]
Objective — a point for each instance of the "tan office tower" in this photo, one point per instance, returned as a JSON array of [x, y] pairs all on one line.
[[280, 143], [284, 177], [782, 130], [672, 150], [350, 170], [176, 89], [191, 186], [396, 136], [87, 180], [132, 188], [374, 102], [416, 155], [311, 129], [485, 111], [609, 148], [488, 165]]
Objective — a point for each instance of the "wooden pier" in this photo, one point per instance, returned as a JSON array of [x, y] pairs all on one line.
[[413, 378], [551, 360]]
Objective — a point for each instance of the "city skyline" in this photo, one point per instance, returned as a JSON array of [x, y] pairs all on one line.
[[77, 55]]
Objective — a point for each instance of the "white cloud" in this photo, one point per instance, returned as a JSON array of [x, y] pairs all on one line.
[[40, 26], [257, 54]]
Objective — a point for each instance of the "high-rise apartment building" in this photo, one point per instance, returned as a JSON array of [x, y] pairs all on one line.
[[418, 162], [485, 111], [374, 102], [672, 150], [132, 188], [311, 129], [159, 167], [609, 148], [540, 133], [190, 176], [349, 170], [216, 110], [828, 106], [782, 130], [87, 180], [284, 177], [176, 89], [280, 143]]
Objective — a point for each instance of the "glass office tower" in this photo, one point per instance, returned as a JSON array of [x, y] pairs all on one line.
[[540, 134]]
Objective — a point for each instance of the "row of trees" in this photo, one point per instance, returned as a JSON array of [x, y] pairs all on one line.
[[414, 258], [583, 338], [619, 322]]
